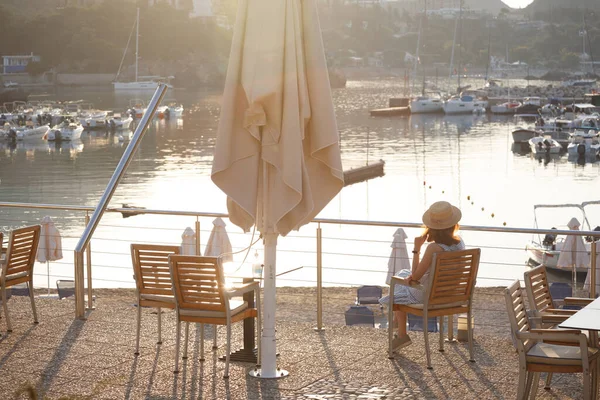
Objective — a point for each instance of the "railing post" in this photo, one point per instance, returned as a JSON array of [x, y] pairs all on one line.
[[593, 270], [319, 279], [88, 253], [198, 237]]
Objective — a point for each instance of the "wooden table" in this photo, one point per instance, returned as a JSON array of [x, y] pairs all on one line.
[[588, 319]]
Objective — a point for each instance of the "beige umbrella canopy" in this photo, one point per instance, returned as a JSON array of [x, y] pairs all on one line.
[[399, 256], [188, 242], [277, 155]]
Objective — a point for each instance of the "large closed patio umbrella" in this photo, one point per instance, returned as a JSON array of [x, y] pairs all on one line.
[[573, 254], [277, 155]]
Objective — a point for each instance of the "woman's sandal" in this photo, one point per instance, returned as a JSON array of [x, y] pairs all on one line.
[[400, 342]]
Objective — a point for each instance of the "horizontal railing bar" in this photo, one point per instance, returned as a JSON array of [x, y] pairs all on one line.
[[476, 228]]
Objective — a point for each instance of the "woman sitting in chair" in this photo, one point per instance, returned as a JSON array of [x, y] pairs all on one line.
[[441, 225]]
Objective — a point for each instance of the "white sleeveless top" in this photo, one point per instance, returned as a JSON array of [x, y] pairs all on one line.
[[417, 295]]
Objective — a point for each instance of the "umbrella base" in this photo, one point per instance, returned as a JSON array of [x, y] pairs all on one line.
[[257, 373]]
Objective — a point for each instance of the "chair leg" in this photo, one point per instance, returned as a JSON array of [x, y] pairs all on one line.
[[390, 333], [139, 326], [451, 328], [187, 335], [227, 350], [214, 327], [441, 332], [5, 306], [522, 383], [30, 289], [548, 381], [587, 390], [470, 335], [534, 385], [177, 343], [426, 334], [159, 326], [201, 342]]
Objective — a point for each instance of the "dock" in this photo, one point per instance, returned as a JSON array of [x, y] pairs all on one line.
[[390, 111]]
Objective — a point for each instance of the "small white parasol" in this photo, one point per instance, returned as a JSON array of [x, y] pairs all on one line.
[[188, 242], [50, 246], [399, 255], [218, 243], [573, 254]]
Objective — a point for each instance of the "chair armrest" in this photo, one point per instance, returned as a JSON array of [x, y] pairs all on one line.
[[554, 335], [557, 311], [248, 287], [577, 301], [401, 281]]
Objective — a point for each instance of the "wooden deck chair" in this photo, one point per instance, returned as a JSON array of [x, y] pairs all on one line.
[[201, 297], [541, 301], [18, 265], [450, 291], [538, 352], [152, 281]]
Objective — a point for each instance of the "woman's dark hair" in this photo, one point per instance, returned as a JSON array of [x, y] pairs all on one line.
[[443, 236]]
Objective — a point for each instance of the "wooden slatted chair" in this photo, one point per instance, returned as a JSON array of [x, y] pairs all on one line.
[[153, 281], [450, 291], [542, 304], [18, 265], [201, 297], [538, 351], [540, 298]]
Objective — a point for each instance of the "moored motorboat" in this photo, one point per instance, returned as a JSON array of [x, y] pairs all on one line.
[[68, 130], [544, 145], [583, 143], [30, 133], [509, 107], [522, 135], [119, 122]]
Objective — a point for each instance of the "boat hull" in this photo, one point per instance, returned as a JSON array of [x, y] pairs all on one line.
[[523, 135], [548, 256], [426, 107], [459, 107], [33, 133]]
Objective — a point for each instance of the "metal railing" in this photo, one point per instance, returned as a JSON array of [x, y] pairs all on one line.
[[318, 240]]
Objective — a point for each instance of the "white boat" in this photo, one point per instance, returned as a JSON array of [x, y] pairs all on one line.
[[459, 105], [141, 82], [522, 135], [30, 133], [546, 251], [119, 122], [95, 119], [509, 107], [426, 104], [68, 130], [544, 145], [137, 108], [584, 143]]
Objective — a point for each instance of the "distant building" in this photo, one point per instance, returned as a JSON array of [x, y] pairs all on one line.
[[200, 8], [17, 64]]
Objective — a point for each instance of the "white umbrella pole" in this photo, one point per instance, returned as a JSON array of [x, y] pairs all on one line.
[[48, 273], [268, 357]]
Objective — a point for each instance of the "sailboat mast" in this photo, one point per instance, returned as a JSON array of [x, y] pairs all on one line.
[[459, 43], [137, 39]]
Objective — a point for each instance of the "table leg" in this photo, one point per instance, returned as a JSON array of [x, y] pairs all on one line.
[[248, 352]]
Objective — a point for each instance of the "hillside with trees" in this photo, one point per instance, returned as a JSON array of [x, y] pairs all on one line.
[[92, 39]]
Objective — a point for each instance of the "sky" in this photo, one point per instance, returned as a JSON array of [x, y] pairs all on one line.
[[517, 3]]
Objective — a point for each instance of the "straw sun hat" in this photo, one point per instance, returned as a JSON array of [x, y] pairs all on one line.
[[441, 215]]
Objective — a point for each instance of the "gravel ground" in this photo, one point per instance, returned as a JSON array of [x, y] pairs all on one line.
[[62, 357]]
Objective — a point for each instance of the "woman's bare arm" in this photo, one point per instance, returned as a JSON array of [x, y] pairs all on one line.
[[424, 263]]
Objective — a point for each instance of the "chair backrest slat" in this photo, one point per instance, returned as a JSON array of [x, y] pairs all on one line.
[[538, 289], [198, 282], [517, 313], [453, 276], [151, 268], [21, 251]]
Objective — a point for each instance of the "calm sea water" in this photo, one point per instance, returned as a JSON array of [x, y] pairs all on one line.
[[466, 160]]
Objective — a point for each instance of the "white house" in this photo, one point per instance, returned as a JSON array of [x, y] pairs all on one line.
[[17, 64]]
